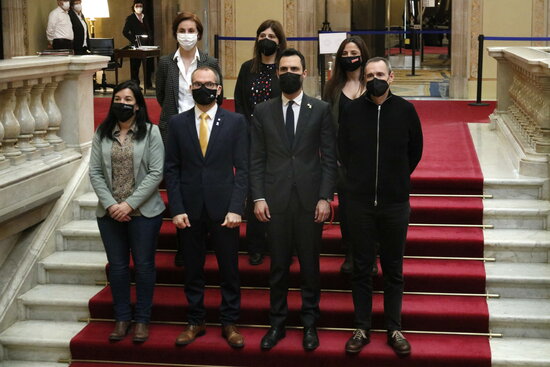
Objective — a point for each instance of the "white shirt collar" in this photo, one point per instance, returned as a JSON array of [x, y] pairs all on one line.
[[177, 56], [297, 100], [211, 112]]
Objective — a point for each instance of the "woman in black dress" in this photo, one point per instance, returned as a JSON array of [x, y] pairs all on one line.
[[347, 83], [256, 83], [137, 25]]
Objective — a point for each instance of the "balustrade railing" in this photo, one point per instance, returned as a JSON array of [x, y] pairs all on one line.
[[523, 105]]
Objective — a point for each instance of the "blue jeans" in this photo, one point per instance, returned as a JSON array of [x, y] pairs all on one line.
[[137, 237]]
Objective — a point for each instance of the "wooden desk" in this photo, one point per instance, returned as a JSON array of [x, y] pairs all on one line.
[[137, 53]]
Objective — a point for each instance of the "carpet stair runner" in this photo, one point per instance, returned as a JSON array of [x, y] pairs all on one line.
[[444, 295]]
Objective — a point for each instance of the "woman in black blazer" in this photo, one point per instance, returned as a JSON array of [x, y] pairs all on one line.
[[137, 25], [80, 28], [256, 83], [174, 70]]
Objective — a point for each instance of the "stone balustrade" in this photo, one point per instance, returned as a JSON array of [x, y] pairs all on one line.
[[523, 106], [46, 124]]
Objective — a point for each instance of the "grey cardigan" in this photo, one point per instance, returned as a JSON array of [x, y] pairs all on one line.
[[148, 170]]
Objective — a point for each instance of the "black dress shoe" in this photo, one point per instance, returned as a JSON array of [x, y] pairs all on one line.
[[311, 340], [358, 340], [272, 337], [400, 345], [255, 258]]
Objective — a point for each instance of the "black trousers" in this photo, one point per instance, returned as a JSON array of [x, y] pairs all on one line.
[[62, 44], [344, 226], [256, 231], [291, 230], [135, 64], [387, 225], [225, 242]]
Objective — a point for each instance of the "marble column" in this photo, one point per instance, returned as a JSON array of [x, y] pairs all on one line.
[[54, 114], [461, 14], [14, 17], [4, 163], [11, 126], [24, 117], [41, 118]]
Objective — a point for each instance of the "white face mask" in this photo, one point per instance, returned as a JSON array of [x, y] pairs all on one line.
[[187, 40], [138, 10], [77, 7], [66, 5]]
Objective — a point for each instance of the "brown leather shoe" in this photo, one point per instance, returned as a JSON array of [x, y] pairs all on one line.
[[359, 339], [141, 332], [190, 333], [233, 336], [120, 331]]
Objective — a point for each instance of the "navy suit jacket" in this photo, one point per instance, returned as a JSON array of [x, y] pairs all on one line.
[[217, 181]]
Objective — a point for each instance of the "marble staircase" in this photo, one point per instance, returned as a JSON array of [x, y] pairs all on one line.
[[520, 244], [49, 313]]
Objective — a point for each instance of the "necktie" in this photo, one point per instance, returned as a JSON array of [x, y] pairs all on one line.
[[289, 122], [203, 133]]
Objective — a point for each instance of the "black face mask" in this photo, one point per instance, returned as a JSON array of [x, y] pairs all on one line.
[[290, 82], [267, 46], [122, 111], [376, 87], [204, 96], [350, 63]]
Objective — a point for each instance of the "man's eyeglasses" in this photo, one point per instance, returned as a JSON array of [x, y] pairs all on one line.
[[209, 85]]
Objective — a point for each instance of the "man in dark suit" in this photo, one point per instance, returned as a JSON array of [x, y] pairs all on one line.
[[292, 177], [206, 175]]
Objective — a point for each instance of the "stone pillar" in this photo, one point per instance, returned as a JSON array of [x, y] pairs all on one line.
[[14, 27], [41, 118], [11, 126], [4, 163], [460, 35], [54, 114], [24, 117]]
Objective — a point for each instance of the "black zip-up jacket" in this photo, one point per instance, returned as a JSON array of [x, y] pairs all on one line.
[[380, 146]]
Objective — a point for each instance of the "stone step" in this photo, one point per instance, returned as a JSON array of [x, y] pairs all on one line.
[[56, 302], [31, 364], [73, 267], [528, 318], [512, 214], [46, 341], [531, 188], [518, 280], [85, 206], [520, 352], [518, 245], [79, 235]]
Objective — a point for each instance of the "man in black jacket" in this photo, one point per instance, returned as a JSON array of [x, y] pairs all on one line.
[[380, 142]]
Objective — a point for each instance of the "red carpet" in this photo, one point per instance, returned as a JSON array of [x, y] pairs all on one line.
[[449, 165]]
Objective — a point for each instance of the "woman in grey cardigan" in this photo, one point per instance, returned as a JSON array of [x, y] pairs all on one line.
[[174, 71], [126, 167]]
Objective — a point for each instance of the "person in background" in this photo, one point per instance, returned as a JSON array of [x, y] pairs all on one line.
[[346, 84], [257, 82], [293, 175], [80, 28], [380, 143], [137, 25], [60, 29], [207, 181], [174, 70], [126, 167]]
